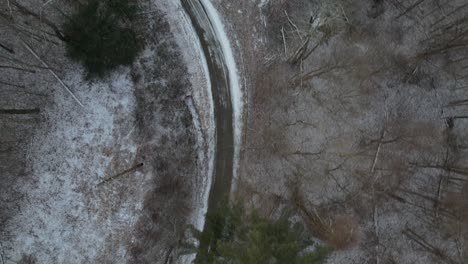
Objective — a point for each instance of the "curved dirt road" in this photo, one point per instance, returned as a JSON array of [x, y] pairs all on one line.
[[223, 80]]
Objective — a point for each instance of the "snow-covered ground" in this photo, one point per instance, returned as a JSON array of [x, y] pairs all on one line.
[[201, 101], [66, 217], [321, 131]]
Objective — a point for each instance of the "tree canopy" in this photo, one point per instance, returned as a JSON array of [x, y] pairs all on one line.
[[233, 236], [99, 35]]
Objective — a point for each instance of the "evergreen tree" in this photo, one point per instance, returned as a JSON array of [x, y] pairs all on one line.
[[99, 36], [232, 236]]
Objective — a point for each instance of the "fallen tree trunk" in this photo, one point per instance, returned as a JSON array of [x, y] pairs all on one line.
[[121, 174], [10, 50], [42, 19], [19, 111]]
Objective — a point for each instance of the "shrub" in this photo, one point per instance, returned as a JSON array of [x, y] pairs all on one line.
[[232, 236], [343, 232], [99, 36]]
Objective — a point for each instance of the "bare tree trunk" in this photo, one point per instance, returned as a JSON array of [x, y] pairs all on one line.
[[23, 30], [17, 68], [121, 174], [10, 50], [410, 234], [51, 71], [42, 19], [12, 84], [168, 255], [19, 111], [410, 8], [449, 15], [20, 62]]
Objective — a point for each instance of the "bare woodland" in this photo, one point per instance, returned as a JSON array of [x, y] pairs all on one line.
[[357, 118], [91, 171]]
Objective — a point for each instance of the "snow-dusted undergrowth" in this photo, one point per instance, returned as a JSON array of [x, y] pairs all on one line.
[[202, 107], [66, 218]]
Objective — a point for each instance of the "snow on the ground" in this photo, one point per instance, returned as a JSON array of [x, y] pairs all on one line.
[[66, 218], [202, 108], [200, 103], [263, 3]]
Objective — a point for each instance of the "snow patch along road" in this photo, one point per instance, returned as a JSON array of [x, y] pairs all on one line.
[[200, 101]]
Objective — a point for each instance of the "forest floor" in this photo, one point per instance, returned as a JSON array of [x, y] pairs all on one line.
[[356, 117], [114, 173]]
